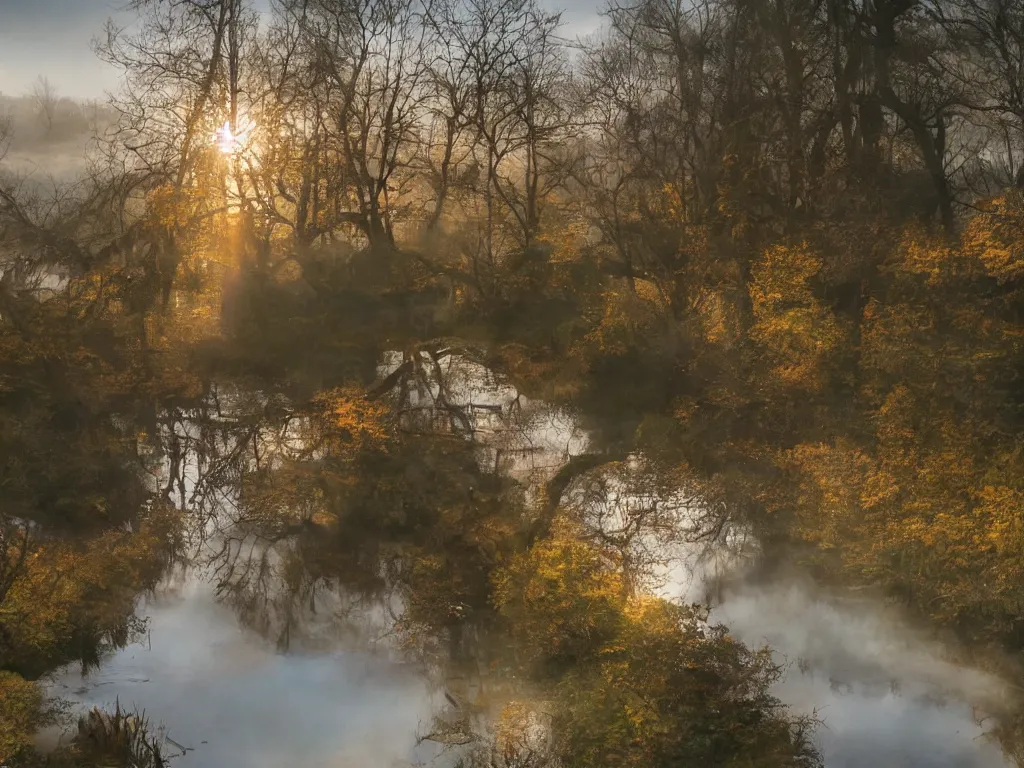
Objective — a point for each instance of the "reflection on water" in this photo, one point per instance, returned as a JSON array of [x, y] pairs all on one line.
[[885, 695], [227, 697]]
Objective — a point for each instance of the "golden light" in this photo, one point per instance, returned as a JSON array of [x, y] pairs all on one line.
[[228, 140]]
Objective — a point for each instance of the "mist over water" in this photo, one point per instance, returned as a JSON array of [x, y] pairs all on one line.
[[230, 699], [885, 693]]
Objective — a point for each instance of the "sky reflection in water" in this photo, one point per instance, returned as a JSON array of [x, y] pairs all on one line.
[[206, 679]]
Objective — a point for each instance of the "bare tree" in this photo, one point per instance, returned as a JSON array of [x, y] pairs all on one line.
[[371, 60], [181, 72], [992, 33], [44, 95], [6, 132], [501, 123]]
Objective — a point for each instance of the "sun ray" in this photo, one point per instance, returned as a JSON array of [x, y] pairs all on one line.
[[230, 141]]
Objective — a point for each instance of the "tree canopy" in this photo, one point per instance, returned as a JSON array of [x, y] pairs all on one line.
[[768, 254]]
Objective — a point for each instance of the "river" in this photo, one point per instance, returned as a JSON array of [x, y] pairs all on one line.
[[887, 695]]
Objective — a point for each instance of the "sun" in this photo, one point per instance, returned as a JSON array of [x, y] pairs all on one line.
[[228, 140]]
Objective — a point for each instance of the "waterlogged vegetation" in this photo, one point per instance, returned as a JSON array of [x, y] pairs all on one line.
[[415, 311]]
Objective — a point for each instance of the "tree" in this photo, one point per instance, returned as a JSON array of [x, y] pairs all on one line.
[[44, 95], [21, 704], [671, 690]]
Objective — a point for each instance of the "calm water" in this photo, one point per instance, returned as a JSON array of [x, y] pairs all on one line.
[[886, 695], [228, 697]]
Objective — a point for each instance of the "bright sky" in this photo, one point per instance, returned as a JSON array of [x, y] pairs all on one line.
[[52, 38]]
